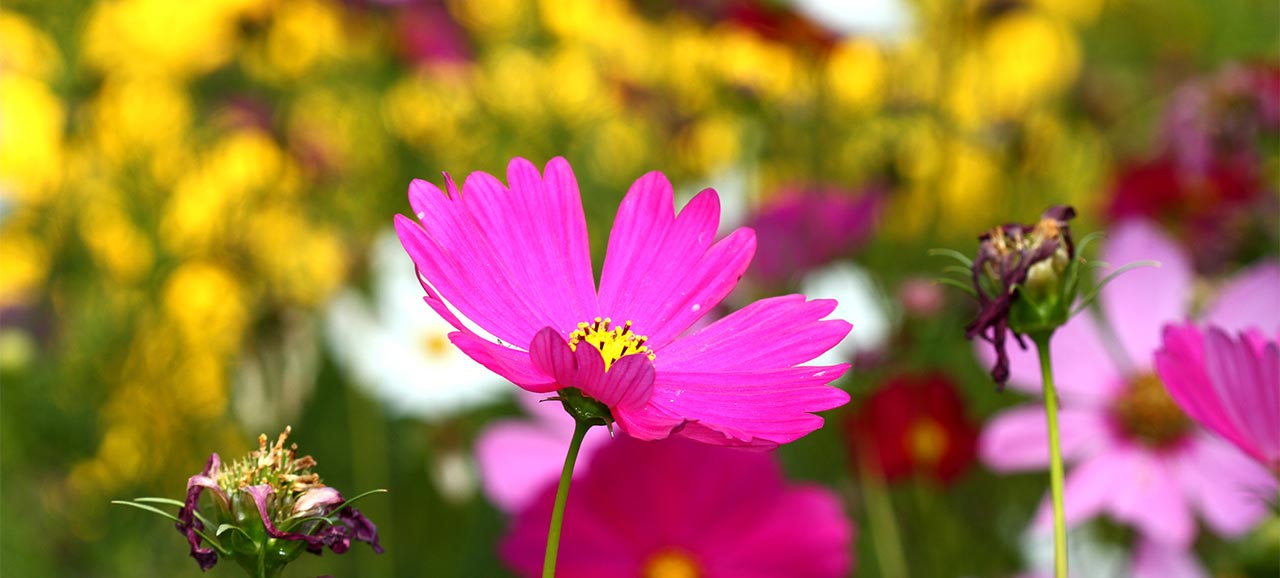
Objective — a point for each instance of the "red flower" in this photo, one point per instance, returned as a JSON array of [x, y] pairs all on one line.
[[914, 424]]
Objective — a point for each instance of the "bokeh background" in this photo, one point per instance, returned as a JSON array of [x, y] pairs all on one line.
[[195, 199]]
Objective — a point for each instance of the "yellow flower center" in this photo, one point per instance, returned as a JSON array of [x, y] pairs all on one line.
[[436, 345], [1146, 412], [670, 563], [927, 441], [613, 344]]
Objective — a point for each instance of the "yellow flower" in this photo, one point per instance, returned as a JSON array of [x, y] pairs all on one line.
[[31, 139], [300, 263], [856, 74], [1024, 59], [24, 264], [26, 51], [115, 243], [710, 143], [208, 305], [132, 119], [162, 37], [495, 18]]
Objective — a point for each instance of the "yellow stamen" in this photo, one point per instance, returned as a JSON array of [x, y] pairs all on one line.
[[1147, 412], [670, 564], [927, 441], [613, 344]]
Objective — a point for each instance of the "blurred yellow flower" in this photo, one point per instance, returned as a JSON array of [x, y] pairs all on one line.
[[855, 74], [303, 34], [493, 18], [132, 119], [208, 304], [952, 185], [31, 139], [1025, 58], [118, 247], [299, 262], [161, 37], [24, 264], [710, 143], [25, 50], [425, 112]]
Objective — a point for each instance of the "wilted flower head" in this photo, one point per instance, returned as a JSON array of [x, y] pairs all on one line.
[[273, 508], [1020, 279]]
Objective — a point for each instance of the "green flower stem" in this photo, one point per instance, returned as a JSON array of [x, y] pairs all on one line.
[[562, 496], [884, 524], [1055, 457]]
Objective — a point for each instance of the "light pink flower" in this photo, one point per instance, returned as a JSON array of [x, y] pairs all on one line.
[[1150, 560], [517, 458], [1135, 455], [1231, 386], [676, 508], [514, 263]]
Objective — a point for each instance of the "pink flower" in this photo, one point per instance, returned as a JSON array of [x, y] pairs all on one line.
[[1150, 560], [804, 229], [514, 263], [1231, 386], [675, 508], [1135, 455], [517, 458]]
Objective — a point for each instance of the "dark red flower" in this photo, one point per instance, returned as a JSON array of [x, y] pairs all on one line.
[[914, 425]]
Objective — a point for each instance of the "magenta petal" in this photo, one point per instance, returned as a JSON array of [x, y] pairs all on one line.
[[187, 521], [1018, 438], [552, 355], [661, 271], [1246, 378], [775, 332], [513, 260], [626, 386], [1230, 491], [1180, 364], [1139, 302], [766, 405], [1250, 299], [514, 365]]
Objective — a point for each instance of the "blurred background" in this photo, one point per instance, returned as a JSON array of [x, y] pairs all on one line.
[[196, 201]]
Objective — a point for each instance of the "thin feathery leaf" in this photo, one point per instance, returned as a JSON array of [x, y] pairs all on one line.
[[158, 511], [1088, 240], [961, 271], [958, 285], [1097, 289], [954, 254]]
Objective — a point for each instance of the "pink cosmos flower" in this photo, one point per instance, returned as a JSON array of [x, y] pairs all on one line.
[[686, 510], [1135, 455], [802, 229], [1231, 386], [513, 262]]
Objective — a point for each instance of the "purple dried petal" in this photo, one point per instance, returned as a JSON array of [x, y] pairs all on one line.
[[188, 524], [335, 537]]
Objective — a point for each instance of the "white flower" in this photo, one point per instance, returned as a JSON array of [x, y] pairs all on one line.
[[399, 349], [882, 19]]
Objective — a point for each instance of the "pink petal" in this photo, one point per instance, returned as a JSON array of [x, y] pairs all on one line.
[[1230, 491], [1247, 381], [1087, 488], [1084, 372], [1146, 498], [1180, 365], [1250, 299], [519, 459], [765, 405], [534, 270], [1156, 560], [1018, 439], [1140, 302], [512, 364], [662, 272], [770, 333], [804, 533]]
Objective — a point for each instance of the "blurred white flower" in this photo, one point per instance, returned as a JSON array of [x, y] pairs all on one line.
[[890, 20], [399, 348], [861, 302]]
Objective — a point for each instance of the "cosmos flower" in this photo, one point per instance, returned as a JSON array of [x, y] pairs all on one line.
[[1229, 385], [400, 351], [513, 263], [915, 425], [1135, 455], [676, 509], [270, 495]]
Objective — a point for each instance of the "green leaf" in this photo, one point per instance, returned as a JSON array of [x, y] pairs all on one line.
[[155, 510], [173, 502], [958, 285], [225, 527], [1088, 240], [359, 497], [962, 271], [954, 254], [1093, 293]]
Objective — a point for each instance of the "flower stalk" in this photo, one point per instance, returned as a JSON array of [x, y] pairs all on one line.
[[562, 496], [1055, 455]]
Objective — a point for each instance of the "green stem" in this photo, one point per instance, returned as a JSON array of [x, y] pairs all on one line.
[[1055, 457], [562, 496], [884, 524]]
